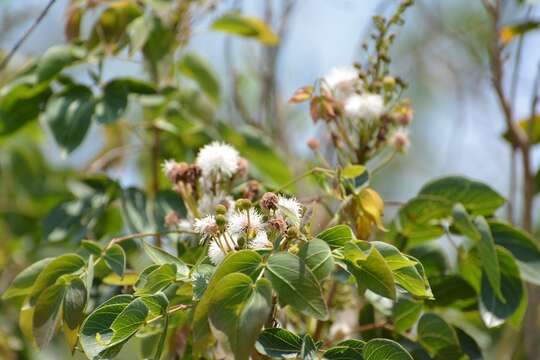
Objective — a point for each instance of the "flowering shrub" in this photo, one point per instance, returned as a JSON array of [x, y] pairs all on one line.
[[228, 260]]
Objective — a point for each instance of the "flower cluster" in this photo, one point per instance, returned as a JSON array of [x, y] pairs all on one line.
[[361, 104], [228, 219]]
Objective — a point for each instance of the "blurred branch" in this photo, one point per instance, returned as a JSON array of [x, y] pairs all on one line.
[[25, 36]]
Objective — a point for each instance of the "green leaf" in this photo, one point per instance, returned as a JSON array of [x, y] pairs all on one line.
[[318, 257], [200, 278], [278, 343], [95, 334], [21, 101], [161, 257], [452, 290], [296, 285], [200, 71], [247, 262], [55, 59], [413, 279], [135, 210], [509, 32], [115, 258], [157, 304], [309, 349], [64, 264], [238, 310], [416, 221], [92, 247], [128, 322], [522, 246], [372, 272], [22, 284], [463, 223], [476, 197], [114, 101], [437, 337], [393, 257], [488, 256], [69, 115], [352, 171], [157, 280], [75, 303], [345, 350], [493, 311], [47, 313], [468, 345], [405, 314], [384, 349], [238, 24], [336, 237]]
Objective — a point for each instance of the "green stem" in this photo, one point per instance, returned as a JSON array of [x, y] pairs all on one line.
[[304, 175]]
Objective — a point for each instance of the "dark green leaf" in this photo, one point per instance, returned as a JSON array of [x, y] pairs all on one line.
[[463, 223], [69, 115], [336, 237], [238, 310], [115, 258], [488, 256], [75, 303], [47, 313], [345, 350], [92, 247], [384, 349], [278, 343], [157, 280], [493, 311], [161, 257], [522, 246], [405, 313], [56, 58], [247, 262], [22, 284], [64, 264], [309, 349], [437, 337], [296, 285], [128, 322], [318, 257]]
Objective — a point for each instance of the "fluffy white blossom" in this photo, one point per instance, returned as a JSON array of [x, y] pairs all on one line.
[[244, 221], [218, 159], [260, 241], [290, 209], [400, 140], [216, 249], [168, 166], [365, 106], [185, 225], [206, 226], [341, 81]]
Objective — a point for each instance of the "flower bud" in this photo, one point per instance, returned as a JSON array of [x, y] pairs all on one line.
[[221, 209], [400, 140], [221, 221], [277, 225], [389, 83], [252, 189], [269, 201], [172, 219], [243, 204], [313, 144], [293, 232], [243, 166]]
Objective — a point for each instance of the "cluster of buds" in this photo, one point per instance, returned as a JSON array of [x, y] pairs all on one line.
[[360, 105], [230, 216]]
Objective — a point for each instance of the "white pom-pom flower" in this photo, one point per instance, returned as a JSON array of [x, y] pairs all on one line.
[[221, 247], [208, 202], [218, 159], [365, 106], [245, 221], [289, 209], [341, 81], [206, 226], [260, 241]]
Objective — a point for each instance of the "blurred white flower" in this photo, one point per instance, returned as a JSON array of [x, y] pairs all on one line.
[[341, 81], [365, 106], [245, 221], [185, 225], [218, 159], [216, 249], [168, 166], [260, 241], [289, 209], [206, 226], [400, 140]]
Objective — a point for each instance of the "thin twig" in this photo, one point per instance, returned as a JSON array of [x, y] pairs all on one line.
[[138, 235], [19, 43]]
